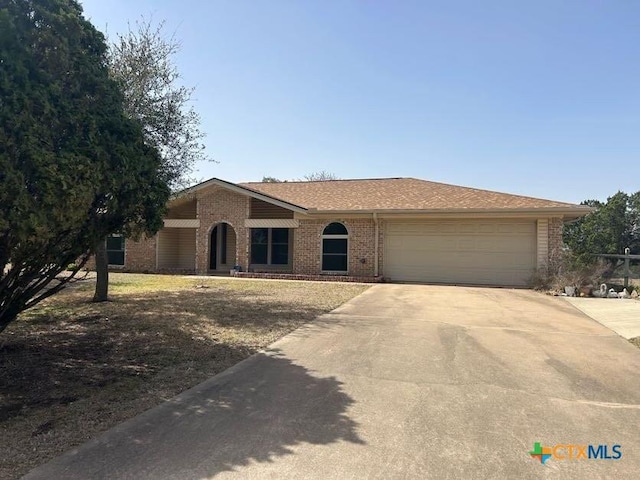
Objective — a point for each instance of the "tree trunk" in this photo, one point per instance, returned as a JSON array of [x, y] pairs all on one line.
[[102, 273]]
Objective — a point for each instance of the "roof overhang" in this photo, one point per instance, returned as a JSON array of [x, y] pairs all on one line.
[[567, 213], [190, 192]]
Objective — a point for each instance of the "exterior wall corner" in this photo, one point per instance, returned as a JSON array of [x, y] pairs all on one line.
[[555, 239]]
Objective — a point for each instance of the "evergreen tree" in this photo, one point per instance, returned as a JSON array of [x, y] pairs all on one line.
[[73, 167]]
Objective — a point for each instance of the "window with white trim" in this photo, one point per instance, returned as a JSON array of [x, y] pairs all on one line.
[[335, 248], [115, 250]]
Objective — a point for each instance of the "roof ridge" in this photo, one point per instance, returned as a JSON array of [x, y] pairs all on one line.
[[326, 181], [391, 193], [475, 189]]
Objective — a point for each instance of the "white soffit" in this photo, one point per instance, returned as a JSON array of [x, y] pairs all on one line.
[[271, 223], [181, 223]]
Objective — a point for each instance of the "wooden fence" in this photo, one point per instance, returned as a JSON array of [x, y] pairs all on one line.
[[627, 257]]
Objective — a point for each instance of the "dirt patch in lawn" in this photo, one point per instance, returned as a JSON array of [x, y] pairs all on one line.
[[70, 369]]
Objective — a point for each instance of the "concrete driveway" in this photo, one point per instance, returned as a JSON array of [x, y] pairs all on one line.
[[404, 381], [621, 316]]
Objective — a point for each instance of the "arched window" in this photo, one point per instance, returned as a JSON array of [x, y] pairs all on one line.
[[335, 245]]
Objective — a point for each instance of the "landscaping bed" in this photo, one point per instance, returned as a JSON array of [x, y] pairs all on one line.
[[70, 369]]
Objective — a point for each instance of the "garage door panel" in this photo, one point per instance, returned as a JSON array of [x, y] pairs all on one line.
[[477, 252], [486, 245], [487, 228], [526, 228]]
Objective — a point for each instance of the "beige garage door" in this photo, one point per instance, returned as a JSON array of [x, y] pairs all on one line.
[[484, 252]]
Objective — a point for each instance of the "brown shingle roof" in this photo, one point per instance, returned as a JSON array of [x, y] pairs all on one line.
[[395, 194]]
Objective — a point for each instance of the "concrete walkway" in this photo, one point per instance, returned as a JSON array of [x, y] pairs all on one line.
[[621, 316], [404, 381]]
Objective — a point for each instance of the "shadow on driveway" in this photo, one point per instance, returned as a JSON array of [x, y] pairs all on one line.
[[71, 369], [256, 411]]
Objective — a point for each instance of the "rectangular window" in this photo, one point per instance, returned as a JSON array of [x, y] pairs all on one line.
[[270, 246], [259, 245], [334, 254], [115, 250], [280, 246]]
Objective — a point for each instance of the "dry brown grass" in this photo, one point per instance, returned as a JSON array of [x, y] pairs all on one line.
[[71, 369]]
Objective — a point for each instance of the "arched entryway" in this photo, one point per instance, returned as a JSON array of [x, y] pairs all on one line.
[[222, 247]]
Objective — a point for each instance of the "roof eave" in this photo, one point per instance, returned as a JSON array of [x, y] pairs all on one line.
[[238, 189], [577, 211]]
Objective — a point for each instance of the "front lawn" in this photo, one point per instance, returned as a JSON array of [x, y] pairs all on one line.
[[70, 369]]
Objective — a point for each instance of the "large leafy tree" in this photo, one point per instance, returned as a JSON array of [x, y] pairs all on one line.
[[142, 62], [73, 166], [613, 226]]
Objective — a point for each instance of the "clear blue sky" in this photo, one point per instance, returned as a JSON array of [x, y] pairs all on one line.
[[540, 97]]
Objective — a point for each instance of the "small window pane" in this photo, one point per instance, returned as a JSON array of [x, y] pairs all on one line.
[[334, 263], [115, 243], [115, 257], [260, 235], [259, 254], [259, 245], [280, 254], [334, 245], [115, 250], [280, 235], [335, 228]]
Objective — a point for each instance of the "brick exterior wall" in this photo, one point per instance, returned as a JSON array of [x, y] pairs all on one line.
[[308, 244], [555, 238], [310, 278], [217, 205], [140, 256], [91, 263]]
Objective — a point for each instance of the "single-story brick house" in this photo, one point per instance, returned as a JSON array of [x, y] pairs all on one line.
[[399, 229]]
